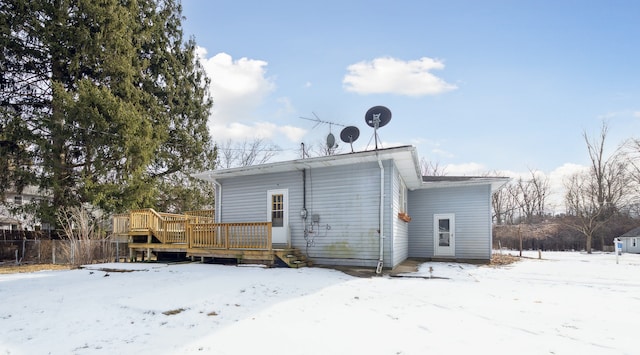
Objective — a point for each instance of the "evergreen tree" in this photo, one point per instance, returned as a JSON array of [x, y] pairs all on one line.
[[102, 102]]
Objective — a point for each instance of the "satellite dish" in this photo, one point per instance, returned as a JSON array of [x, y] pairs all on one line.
[[377, 116], [331, 141], [349, 135]]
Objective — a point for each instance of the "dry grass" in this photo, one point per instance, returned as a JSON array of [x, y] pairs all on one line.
[[503, 259], [174, 311], [14, 269]]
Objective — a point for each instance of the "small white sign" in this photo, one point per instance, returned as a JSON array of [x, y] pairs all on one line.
[[617, 247]]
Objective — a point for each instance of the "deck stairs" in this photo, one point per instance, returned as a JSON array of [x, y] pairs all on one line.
[[292, 257]]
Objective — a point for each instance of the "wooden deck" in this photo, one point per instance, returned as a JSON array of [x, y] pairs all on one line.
[[197, 235]]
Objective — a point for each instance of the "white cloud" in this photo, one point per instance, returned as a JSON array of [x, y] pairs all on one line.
[[557, 179], [239, 88], [390, 75], [442, 153], [636, 114], [294, 134], [465, 169], [286, 107]]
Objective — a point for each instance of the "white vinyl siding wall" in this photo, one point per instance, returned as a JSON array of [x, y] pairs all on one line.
[[244, 199], [400, 227], [346, 199], [471, 206], [628, 247]]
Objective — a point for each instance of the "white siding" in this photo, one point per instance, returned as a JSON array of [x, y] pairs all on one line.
[[628, 247], [244, 199], [346, 199], [471, 206], [400, 228]]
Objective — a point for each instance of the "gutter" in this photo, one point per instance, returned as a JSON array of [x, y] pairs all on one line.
[[218, 201], [381, 222]]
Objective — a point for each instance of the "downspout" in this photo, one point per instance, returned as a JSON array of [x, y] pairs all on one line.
[[381, 259], [218, 201], [304, 194]]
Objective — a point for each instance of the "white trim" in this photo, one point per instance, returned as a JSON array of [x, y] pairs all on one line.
[[285, 217], [439, 251]]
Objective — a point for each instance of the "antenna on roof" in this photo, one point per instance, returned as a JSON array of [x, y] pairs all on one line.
[[349, 135], [331, 139], [376, 117], [318, 121]]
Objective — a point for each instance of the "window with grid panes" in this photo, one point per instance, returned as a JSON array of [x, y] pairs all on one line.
[[277, 210]]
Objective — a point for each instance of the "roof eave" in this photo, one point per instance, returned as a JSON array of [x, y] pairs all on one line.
[[405, 157], [495, 182]]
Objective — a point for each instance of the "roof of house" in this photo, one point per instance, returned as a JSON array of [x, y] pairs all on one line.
[[8, 220], [405, 159], [448, 181], [634, 233]]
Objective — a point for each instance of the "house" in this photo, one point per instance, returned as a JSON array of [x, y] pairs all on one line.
[[370, 208], [631, 241], [12, 217]]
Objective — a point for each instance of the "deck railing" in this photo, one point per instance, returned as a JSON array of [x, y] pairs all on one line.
[[250, 235], [195, 229], [201, 216], [121, 224], [144, 220], [173, 229]]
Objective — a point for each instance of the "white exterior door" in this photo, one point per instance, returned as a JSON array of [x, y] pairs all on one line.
[[444, 238], [278, 215]]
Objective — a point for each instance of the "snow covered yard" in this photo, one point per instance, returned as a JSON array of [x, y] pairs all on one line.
[[567, 303]]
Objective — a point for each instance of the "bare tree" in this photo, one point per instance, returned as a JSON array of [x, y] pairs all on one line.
[[530, 196], [631, 152], [609, 173], [541, 188], [594, 197], [321, 149], [521, 200], [86, 237], [430, 168], [504, 205], [248, 152], [583, 207]]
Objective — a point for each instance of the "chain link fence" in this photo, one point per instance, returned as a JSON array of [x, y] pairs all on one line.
[[63, 251]]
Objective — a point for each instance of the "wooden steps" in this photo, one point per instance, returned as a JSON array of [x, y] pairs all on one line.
[[292, 257]]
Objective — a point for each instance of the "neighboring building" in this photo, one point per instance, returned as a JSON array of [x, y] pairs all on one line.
[[631, 241], [20, 221], [333, 207]]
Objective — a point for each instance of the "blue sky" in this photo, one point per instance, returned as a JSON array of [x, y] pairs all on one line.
[[475, 85]]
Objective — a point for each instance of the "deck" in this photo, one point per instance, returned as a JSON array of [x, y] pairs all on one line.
[[195, 234]]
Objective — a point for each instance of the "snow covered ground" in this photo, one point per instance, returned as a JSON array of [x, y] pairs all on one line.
[[566, 303]]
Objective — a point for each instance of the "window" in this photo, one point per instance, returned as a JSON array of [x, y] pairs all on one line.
[[402, 195], [17, 199], [444, 233], [633, 242], [277, 210]]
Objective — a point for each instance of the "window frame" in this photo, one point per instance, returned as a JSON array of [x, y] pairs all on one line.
[[403, 204]]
